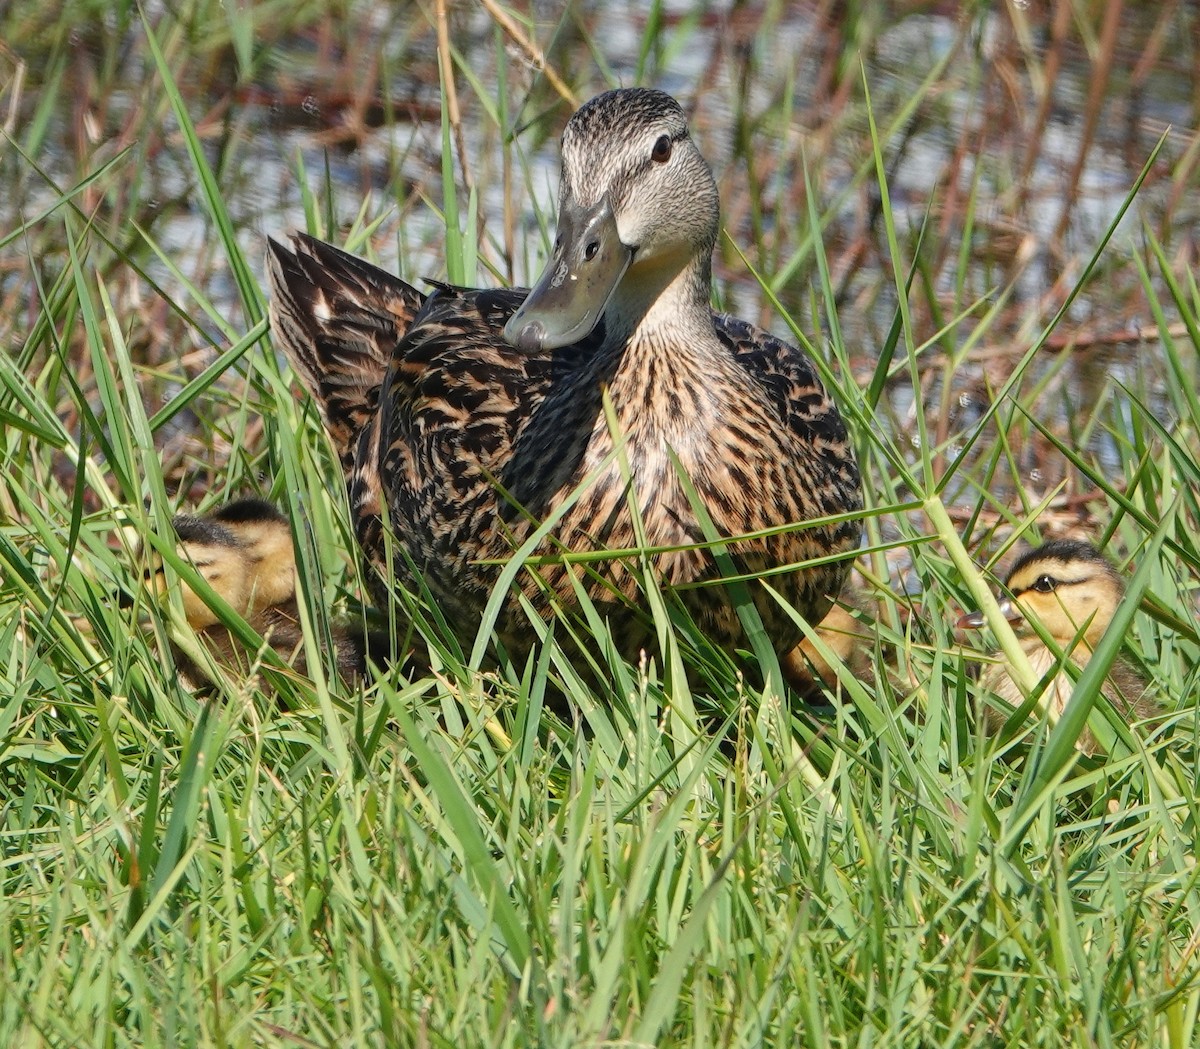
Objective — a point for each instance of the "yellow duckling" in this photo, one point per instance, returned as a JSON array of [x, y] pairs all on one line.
[[244, 552], [846, 635], [1071, 589]]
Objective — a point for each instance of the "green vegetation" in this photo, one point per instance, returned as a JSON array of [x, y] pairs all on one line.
[[522, 856]]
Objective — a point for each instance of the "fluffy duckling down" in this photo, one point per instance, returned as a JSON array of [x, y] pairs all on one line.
[[1072, 590], [244, 552], [849, 636]]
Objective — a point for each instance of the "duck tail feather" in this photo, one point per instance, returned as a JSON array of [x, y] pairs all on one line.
[[337, 320]]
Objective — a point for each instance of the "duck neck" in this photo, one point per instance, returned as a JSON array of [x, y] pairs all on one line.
[[660, 303]]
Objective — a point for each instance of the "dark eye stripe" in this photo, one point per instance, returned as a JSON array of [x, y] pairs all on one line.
[[1058, 583]]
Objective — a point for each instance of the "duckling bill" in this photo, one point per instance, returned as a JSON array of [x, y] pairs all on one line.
[[1073, 591], [466, 417]]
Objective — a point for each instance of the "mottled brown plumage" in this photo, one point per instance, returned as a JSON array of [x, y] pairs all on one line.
[[477, 415], [1072, 590], [244, 552]]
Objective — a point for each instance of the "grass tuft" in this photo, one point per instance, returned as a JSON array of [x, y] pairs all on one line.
[[574, 850]]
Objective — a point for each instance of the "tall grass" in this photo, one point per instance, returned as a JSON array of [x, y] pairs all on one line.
[[578, 851]]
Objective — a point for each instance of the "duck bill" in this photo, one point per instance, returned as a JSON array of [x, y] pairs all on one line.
[[568, 300], [977, 620]]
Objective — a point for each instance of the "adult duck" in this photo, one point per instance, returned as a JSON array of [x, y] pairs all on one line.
[[465, 418]]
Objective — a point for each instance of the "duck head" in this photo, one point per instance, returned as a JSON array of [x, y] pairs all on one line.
[[243, 551], [216, 554], [638, 207], [264, 537]]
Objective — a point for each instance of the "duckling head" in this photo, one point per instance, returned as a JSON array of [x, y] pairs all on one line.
[[1067, 586], [638, 206], [243, 551], [264, 539], [216, 554]]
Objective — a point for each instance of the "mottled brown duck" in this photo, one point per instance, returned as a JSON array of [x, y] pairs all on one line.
[[244, 552], [465, 417], [1072, 590]]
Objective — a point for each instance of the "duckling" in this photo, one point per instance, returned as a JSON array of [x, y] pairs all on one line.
[[1068, 586], [845, 634], [465, 418], [244, 552]]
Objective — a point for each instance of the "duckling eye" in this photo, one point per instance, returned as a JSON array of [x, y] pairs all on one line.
[[662, 150], [1044, 584]]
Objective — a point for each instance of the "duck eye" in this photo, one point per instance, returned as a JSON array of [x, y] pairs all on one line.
[[662, 150], [1044, 584]]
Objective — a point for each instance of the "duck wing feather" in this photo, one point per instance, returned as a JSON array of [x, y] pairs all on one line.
[[338, 320]]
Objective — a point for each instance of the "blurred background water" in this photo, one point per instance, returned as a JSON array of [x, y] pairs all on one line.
[[1011, 135]]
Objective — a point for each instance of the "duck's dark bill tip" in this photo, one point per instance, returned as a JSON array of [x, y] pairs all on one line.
[[972, 621], [525, 335]]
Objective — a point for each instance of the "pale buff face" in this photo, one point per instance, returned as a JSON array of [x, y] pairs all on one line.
[[221, 566], [638, 211], [249, 562], [633, 148], [1066, 595]]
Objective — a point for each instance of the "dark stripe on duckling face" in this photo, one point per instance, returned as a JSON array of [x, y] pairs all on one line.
[[1066, 552], [1068, 585], [1047, 584]]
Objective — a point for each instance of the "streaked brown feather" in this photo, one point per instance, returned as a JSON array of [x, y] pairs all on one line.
[[342, 363], [459, 407], [468, 442]]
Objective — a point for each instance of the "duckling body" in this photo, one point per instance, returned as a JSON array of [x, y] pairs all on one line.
[[847, 636], [472, 416], [244, 552], [1073, 591]]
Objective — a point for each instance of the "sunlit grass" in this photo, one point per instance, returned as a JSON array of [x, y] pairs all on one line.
[[577, 851]]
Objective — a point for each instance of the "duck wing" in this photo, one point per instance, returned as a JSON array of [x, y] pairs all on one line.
[[337, 320], [462, 411], [824, 472]]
